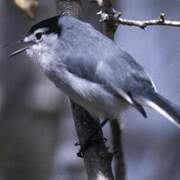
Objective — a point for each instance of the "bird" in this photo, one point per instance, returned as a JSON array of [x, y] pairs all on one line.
[[93, 70]]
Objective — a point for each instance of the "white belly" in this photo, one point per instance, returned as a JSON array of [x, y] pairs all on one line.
[[102, 108], [92, 96]]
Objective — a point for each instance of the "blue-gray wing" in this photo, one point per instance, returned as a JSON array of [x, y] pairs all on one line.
[[94, 57], [119, 74]]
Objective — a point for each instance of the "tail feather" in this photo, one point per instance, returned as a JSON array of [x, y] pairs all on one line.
[[164, 107]]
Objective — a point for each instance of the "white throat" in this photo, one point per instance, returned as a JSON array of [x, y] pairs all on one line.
[[43, 52]]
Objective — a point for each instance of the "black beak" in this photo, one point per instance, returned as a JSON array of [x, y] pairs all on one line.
[[22, 49], [18, 51]]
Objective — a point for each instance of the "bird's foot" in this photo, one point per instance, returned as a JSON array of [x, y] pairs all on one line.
[[89, 142]]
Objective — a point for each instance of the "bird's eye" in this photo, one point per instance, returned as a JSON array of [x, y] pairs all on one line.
[[38, 36]]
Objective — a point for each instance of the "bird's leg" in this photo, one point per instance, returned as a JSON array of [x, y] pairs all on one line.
[[90, 140]]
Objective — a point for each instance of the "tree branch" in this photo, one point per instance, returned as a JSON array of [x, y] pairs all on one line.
[[97, 159], [109, 29], [115, 17], [119, 164], [69, 7]]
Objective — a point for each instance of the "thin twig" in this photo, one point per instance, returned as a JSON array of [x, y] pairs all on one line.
[[115, 17], [119, 163]]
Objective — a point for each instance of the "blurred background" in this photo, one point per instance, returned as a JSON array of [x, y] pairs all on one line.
[[37, 133]]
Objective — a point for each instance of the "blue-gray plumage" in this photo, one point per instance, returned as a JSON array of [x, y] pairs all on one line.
[[92, 70]]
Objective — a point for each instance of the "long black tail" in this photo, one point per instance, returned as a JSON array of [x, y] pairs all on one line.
[[164, 107]]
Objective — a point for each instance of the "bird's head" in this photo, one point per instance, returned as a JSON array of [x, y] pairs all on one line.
[[40, 37]]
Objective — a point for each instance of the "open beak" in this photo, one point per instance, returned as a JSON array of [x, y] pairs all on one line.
[[30, 43], [18, 51]]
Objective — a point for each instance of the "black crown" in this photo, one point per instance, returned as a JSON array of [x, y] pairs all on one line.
[[51, 24]]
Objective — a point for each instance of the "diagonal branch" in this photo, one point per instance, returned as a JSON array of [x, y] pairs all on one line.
[[115, 18], [109, 28], [97, 159]]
